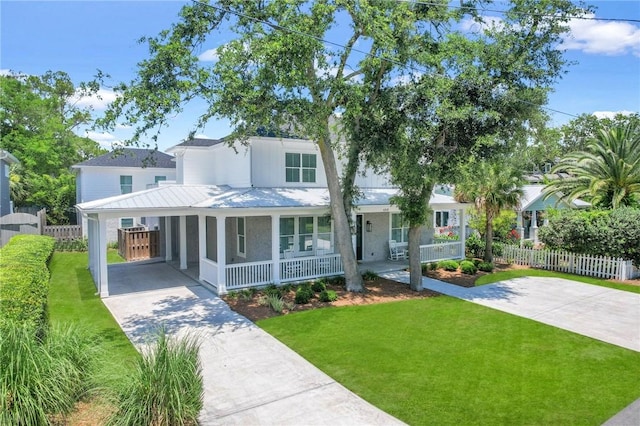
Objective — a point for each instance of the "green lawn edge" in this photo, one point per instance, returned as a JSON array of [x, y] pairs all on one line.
[[516, 273], [448, 362], [73, 299]]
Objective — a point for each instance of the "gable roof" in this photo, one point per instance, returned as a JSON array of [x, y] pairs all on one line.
[[200, 142], [532, 193], [131, 157]]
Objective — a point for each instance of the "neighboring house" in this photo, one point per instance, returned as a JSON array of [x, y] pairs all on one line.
[[122, 172], [259, 214], [6, 160], [533, 208]]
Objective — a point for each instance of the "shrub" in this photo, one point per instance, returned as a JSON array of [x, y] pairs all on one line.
[[474, 246], [24, 282], [528, 244], [166, 387], [337, 280], [40, 378], [424, 267], [497, 248], [485, 266], [77, 244], [286, 288], [304, 293], [448, 265], [318, 286], [328, 296], [369, 276], [468, 267], [614, 233], [272, 290]]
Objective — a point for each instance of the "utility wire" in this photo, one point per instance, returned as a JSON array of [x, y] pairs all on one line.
[[373, 55], [538, 15]]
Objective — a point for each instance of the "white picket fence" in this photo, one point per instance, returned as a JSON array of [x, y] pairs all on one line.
[[562, 261]]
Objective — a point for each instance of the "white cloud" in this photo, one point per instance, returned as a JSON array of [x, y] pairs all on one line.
[[105, 139], [611, 114], [98, 101], [4, 71], [210, 55], [607, 38]]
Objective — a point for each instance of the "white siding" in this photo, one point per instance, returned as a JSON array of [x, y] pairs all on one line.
[[100, 182], [268, 162], [218, 165]]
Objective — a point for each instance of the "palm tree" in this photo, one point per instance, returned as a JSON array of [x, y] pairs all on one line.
[[492, 187], [607, 172]]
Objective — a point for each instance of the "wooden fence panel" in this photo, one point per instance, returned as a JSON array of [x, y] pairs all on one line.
[[63, 232], [138, 243]]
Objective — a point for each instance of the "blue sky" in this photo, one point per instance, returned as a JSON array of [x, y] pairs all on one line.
[[80, 37]]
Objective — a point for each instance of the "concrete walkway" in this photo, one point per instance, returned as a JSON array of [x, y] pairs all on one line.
[[250, 378]]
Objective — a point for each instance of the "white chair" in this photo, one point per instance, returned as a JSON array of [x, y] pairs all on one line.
[[323, 263], [396, 252], [291, 269]]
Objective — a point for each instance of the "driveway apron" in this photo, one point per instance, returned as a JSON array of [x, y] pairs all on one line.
[[249, 376]]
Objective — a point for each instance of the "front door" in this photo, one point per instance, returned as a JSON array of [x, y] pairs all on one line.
[[359, 237]]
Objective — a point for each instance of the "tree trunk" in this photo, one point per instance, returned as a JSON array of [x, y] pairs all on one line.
[[488, 242], [415, 267], [343, 231]]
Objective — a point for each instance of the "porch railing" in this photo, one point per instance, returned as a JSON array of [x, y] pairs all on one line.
[[441, 251], [304, 268], [248, 274]]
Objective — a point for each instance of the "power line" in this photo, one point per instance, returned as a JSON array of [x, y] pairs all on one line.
[[373, 55], [537, 15]]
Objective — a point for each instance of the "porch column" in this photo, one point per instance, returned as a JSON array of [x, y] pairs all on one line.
[[275, 247], [102, 257], [183, 242], [520, 227], [167, 239], [221, 234], [93, 248], [534, 226], [463, 233], [202, 243]]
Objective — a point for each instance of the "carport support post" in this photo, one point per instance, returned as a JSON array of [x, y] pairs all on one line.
[[221, 234], [167, 239], [202, 243], [183, 242], [102, 257], [275, 247]]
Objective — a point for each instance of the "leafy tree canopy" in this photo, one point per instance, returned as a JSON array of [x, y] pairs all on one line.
[[38, 116]]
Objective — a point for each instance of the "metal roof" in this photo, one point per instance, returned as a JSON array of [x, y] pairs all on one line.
[[175, 196], [131, 157], [532, 193]]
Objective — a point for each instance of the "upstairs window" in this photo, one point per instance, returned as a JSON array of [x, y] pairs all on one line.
[[126, 184], [300, 167], [160, 179]]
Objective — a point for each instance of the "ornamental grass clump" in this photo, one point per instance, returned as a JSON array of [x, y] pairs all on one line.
[[166, 388], [448, 265], [43, 378]]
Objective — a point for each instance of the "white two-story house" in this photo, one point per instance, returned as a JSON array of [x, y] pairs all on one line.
[[258, 214], [123, 172]]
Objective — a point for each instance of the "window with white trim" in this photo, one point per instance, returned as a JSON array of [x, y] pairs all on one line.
[[399, 229], [305, 234], [160, 179], [242, 240], [126, 184], [440, 218], [126, 222], [300, 167]]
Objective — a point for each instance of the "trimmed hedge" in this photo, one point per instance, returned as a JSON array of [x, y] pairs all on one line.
[[614, 233], [24, 282]]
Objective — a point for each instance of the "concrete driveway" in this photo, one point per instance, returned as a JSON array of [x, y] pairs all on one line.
[[250, 378]]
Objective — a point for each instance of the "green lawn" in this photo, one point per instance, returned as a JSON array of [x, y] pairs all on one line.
[[73, 299], [444, 361], [515, 273]]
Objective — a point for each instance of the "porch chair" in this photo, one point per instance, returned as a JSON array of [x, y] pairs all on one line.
[[324, 263], [395, 251], [291, 269]]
